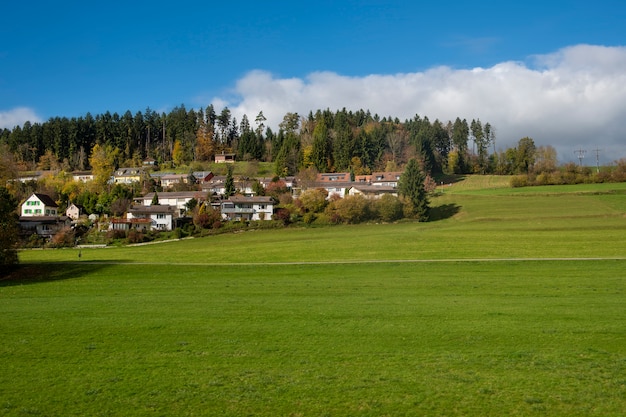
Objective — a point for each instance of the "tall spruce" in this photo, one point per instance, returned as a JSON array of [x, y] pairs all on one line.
[[411, 187], [8, 229], [229, 185]]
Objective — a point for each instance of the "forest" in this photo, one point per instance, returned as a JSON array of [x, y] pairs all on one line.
[[338, 141]]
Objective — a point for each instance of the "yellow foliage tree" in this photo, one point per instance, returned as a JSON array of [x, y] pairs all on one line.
[[102, 163], [178, 154]]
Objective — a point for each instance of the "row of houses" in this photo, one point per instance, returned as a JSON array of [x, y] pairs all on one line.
[[39, 213]]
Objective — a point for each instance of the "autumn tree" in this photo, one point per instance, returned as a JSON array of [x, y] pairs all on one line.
[[314, 200], [102, 163]]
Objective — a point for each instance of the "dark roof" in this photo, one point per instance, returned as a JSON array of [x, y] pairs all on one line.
[[174, 194], [152, 209], [255, 199], [46, 200]]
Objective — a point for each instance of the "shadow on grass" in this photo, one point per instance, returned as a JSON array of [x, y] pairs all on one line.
[[449, 179], [445, 211], [34, 273]]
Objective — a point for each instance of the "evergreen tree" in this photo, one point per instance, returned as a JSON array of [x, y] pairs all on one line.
[[8, 229], [155, 199], [411, 186], [229, 186]]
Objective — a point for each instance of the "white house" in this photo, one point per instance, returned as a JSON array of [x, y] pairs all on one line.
[[74, 211], [240, 207], [39, 214], [161, 217], [179, 199], [39, 205], [82, 176], [372, 191]]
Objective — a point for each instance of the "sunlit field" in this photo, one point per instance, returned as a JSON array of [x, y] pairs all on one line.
[[509, 303]]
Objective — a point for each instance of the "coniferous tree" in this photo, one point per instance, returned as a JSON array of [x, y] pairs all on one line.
[[229, 185], [8, 229], [411, 187]]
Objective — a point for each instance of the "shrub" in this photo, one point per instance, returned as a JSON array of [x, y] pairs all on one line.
[[351, 209], [519, 181], [389, 208], [63, 239], [135, 236], [314, 200]]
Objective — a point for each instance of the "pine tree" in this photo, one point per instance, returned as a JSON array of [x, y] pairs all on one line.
[[411, 186]]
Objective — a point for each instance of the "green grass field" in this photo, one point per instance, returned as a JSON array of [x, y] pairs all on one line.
[[510, 303]]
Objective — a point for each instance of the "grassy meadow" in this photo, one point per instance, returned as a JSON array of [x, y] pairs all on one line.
[[511, 302]]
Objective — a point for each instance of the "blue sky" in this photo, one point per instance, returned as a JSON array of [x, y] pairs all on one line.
[[548, 70]]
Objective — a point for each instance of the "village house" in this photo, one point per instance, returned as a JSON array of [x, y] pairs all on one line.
[[39, 214], [178, 199], [372, 191], [386, 179], [225, 158], [240, 207], [39, 205], [161, 217], [170, 180], [128, 175], [74, 211], [82, 176]]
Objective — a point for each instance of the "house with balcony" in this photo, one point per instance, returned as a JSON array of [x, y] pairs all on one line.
[[159, 217], [179, 199], [128, 175], [240, 207], [39, 214]]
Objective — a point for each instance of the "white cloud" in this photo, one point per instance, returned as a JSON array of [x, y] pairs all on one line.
[[573, 98], [16, 117]]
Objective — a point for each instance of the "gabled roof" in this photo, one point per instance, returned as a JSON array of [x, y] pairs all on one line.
[[46, 200], [174, 194], [255, 199], [333, 177]]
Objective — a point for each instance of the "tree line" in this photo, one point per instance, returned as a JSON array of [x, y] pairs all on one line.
[[329, 141]]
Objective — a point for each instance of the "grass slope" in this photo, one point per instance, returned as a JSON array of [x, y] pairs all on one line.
[[188, 328]]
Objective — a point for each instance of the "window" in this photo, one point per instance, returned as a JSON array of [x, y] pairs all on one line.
[[28, 211], [261, 206], [38, 211], [160, 216]]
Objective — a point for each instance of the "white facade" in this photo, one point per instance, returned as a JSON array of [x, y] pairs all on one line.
[[39, 205], [179, 199], [161, 217], [247, 208]]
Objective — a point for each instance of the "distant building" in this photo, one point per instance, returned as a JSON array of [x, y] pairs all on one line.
[[225, 158]]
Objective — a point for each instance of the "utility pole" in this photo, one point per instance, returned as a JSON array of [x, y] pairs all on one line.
[[597, 151], [581, 154]]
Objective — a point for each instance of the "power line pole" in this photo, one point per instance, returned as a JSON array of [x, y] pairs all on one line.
[[597, 151], [581, 154]]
